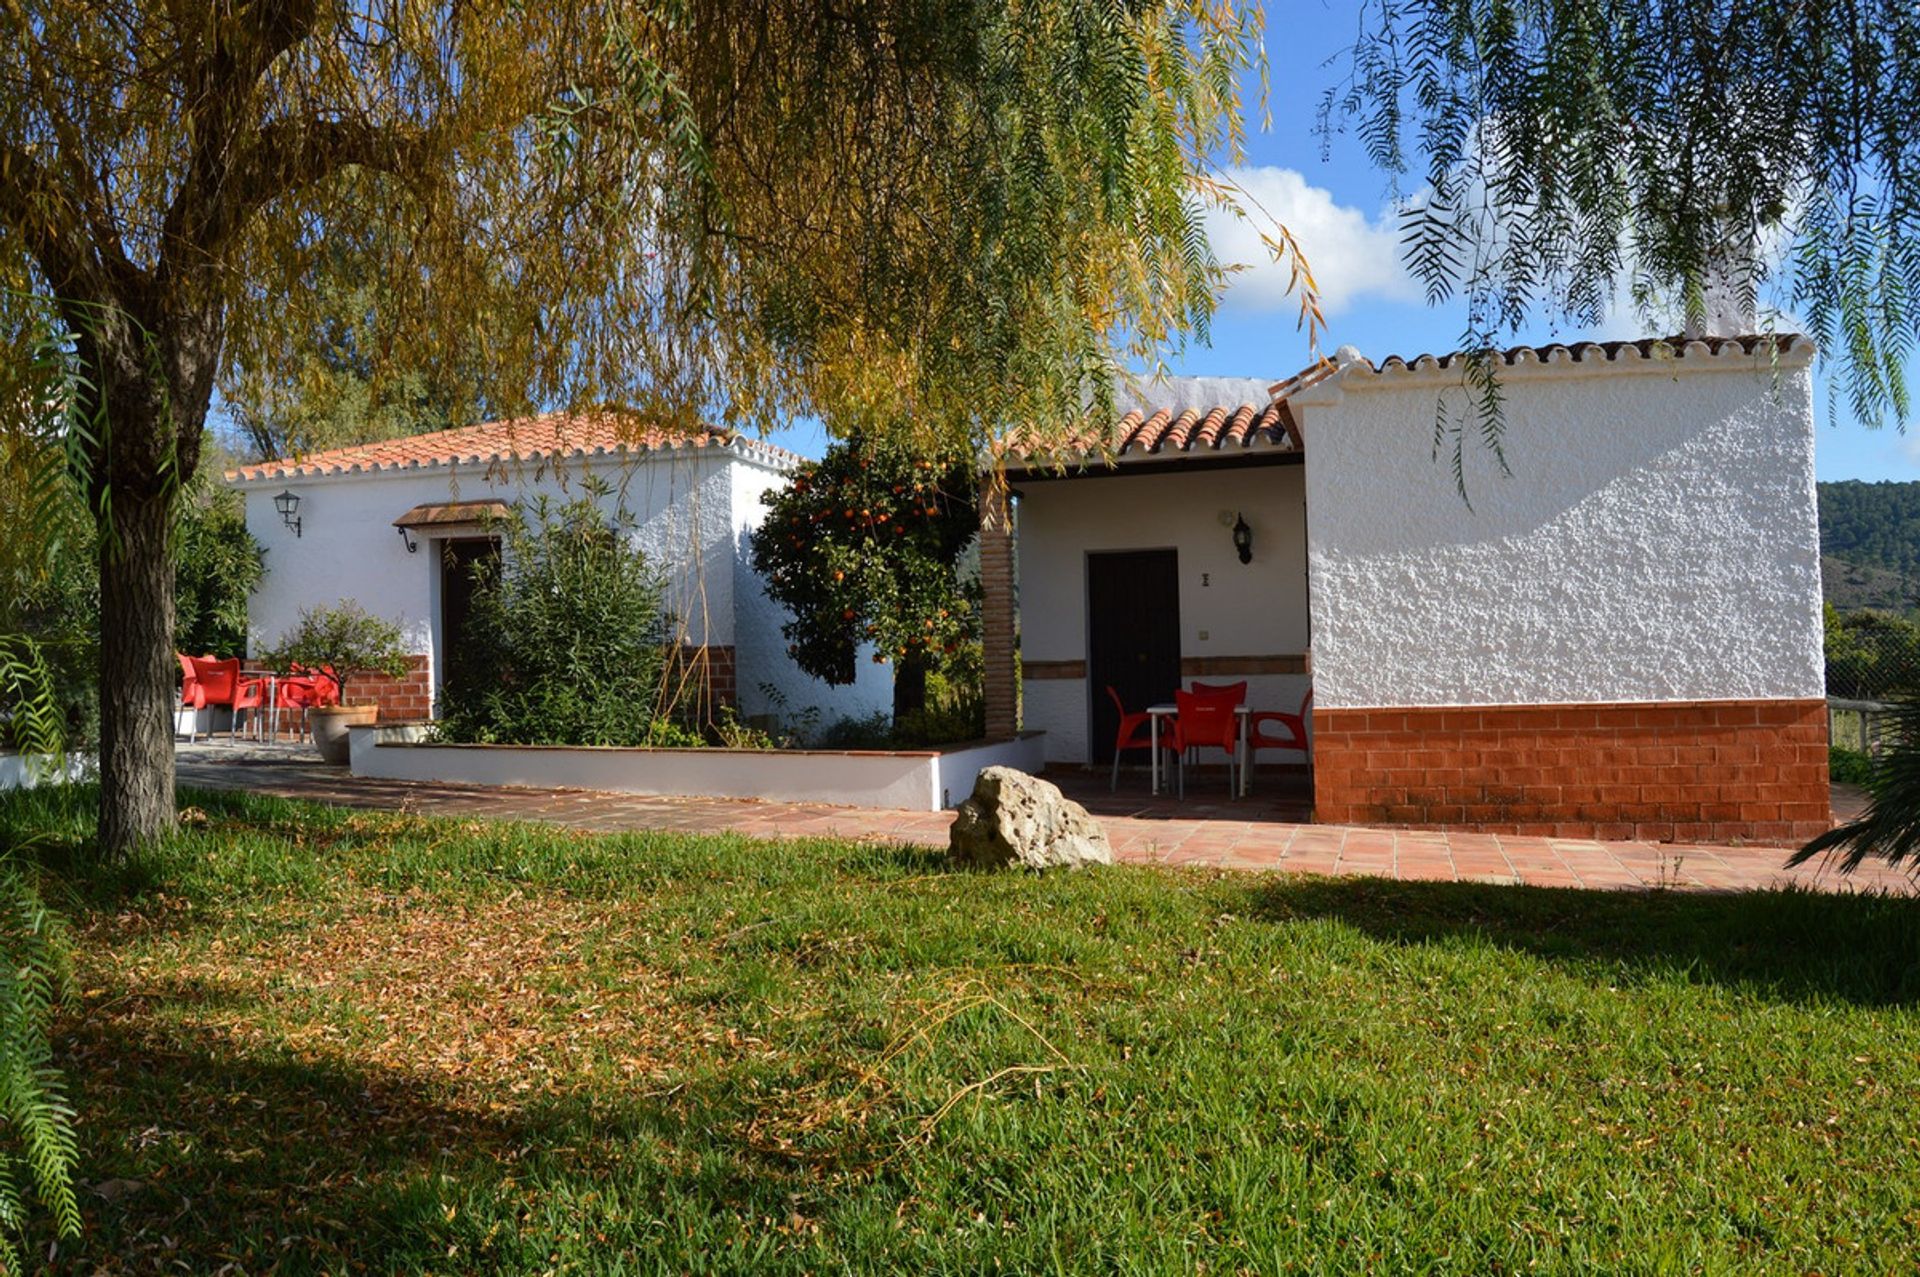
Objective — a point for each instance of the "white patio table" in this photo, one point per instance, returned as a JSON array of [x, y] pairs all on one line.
[[1243, 713]]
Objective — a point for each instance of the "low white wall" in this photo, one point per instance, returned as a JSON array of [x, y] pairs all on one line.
[[956, 770], [917, 781], [1656, 540], [24, 771]]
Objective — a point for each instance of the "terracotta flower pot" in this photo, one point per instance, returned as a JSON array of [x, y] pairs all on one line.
[[330, 724]]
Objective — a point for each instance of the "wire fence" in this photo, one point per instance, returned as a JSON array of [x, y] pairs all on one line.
[[1873, 660]]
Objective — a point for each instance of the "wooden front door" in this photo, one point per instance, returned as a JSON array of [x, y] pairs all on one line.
[[457, 561], [1133, 636]]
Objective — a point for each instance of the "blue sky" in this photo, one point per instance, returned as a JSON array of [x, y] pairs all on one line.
[[1338, 210]]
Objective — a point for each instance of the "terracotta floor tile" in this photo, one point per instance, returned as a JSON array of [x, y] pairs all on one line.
[[1264, 832]]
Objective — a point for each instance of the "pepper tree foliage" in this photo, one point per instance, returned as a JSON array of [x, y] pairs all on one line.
[[1567, 152], [863, 546], [899, 211]]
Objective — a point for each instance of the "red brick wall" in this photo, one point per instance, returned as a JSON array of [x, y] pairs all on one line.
[[401, 699], [1693, 771]]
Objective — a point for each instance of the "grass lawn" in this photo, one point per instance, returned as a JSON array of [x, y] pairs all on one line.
[[315, 1041]]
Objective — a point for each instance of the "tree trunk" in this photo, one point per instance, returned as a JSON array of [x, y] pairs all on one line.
[[152, 377], [909, 686], [136, 674]]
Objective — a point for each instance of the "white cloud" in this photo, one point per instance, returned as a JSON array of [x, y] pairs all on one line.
[[1353, 256]]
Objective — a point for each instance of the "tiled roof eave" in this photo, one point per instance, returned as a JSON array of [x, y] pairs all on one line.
[[753, 450]]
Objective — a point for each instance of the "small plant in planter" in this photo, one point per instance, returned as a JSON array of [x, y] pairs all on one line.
[[347, 641]]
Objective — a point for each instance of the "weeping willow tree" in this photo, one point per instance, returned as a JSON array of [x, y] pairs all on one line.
[[951, 216], [1687, 159]]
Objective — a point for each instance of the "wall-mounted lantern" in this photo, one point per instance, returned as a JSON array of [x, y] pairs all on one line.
[[1243, 538], [287, 503]]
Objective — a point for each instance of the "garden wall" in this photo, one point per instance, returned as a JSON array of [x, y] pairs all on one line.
[[917, 780]]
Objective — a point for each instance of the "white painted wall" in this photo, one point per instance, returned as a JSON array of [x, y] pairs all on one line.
[[1254, 609], [922, 780], [760, 649], [691, 510], [1656, 540]]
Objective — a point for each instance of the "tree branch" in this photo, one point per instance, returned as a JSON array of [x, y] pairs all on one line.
[[291, 154], [46, 217]]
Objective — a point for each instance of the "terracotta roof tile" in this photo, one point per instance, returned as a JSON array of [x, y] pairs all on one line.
[[1193, 417], [1594, 352], [554, 435]]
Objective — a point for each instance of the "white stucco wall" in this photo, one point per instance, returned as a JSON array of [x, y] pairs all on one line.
[[760, 650], [1227, 608], [1656, 540]]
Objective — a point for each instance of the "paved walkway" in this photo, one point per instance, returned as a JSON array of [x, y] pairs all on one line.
[[1202, 832]]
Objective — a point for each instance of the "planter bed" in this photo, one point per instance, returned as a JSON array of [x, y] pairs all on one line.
[[910, 780]]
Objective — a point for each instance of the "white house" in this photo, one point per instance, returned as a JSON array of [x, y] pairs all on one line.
[[393, 525], [1619, 635]]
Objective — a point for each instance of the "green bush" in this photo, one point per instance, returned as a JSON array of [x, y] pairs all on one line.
[[1849, 766], [217, 562], [567, 640]]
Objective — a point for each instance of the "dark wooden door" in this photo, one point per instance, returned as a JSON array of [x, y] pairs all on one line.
[[458, 558], [1133, 635]]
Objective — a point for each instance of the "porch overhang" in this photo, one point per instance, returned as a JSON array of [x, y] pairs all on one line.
[[453, 518]]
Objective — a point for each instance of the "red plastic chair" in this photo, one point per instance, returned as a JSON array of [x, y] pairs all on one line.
[[1236, 690], [1135, 732], [306, 689], [192, 696], [219, 683], [1292, 732], [1207, 720]]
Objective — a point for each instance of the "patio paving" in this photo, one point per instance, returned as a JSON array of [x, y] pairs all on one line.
[[1267, 831]]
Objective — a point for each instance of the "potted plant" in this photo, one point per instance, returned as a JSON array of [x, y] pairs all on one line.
[[345, 640]]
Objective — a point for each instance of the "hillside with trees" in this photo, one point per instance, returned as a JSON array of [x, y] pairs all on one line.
[[1870, 545]]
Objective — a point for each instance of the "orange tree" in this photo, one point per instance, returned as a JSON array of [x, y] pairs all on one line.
[[863, 547]]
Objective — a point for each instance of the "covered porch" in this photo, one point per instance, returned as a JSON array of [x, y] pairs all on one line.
[[1176, 555]]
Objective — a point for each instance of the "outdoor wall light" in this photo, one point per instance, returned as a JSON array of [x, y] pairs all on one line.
[[1243, 538], [287, 503]]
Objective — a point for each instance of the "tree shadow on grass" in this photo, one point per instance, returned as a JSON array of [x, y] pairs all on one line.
[[202, 1153], [1791, 944]]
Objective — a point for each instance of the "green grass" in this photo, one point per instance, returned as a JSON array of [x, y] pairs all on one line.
[[320, 1041]]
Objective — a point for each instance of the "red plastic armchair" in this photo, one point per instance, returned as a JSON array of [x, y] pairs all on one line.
[[1290, 733], [306, 689], [1135, 732], [1238, 691], [1207, 720], [191, 694], [219, 683]]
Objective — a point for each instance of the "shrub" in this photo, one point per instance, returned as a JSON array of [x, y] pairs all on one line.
[[345, 639], [217, 562], [566, 642], [1849, 766]]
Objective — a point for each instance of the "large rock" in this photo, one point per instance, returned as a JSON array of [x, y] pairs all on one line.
[[1017, 819]]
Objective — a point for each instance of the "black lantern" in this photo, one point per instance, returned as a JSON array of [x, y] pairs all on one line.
[[1243, 538], [286, 503]]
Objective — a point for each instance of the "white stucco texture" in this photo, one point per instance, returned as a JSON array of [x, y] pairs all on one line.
[[1655, 540], [1227, 608]]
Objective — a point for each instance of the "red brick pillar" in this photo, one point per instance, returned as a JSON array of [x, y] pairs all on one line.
[[1002, 689]]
